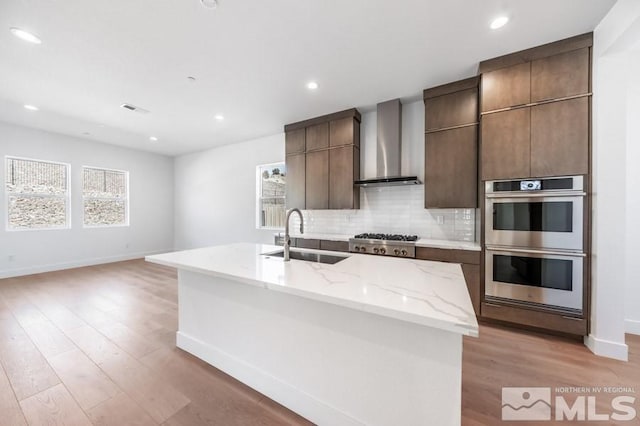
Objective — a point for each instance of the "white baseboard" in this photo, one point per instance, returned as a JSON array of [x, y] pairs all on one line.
[[607, 348], [281, 392], [632, 326], [39, 269]]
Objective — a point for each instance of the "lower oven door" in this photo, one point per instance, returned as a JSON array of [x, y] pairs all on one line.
[[540, 277]]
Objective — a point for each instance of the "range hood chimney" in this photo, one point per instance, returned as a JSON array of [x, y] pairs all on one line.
[[389, 148]]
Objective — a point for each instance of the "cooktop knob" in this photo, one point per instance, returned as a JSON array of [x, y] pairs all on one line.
[[363, 248], [375, 250], [396, 252], [383, 250], [404, 252], [356, 248]]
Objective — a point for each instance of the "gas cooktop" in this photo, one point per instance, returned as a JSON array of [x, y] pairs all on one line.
[[384, 244], [386, 237]]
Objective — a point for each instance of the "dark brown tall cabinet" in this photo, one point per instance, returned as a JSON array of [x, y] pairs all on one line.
[[323, 161], [535, 111], [451, 145]]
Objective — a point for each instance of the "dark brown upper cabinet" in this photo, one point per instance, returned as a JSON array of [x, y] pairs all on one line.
[[295, 187], [537, 126], [317, 180], [322, 175], [560, 138], [506, 144], [451, 145], [294, 141], [506, 87], [344, 168], [317, 137], [455, 109], [451, 171], [560, 76], [344, 131]]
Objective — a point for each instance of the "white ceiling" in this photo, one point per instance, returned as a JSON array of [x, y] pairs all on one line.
[[251, 59]]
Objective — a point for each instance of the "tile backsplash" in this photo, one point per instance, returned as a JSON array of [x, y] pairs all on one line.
[[394, 210]]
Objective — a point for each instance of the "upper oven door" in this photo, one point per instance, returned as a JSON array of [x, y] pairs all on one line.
[[538, 220]]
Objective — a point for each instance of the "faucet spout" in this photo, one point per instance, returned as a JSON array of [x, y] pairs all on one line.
[[287, 238]]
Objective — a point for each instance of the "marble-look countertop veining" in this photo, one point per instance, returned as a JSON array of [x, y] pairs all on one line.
[[429, 293]]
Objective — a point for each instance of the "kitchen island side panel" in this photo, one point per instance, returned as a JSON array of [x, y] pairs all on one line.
[[330, 364]]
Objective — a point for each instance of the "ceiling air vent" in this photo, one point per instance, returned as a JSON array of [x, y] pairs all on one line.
[[134, 108]]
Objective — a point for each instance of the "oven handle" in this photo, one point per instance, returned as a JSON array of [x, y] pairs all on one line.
[[533, 251], [537, 194]]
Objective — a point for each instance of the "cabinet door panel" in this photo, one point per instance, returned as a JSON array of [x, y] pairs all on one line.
[[506, 144], [317, 136], [294, 141], [343, 132], [295, 188], [560, 76], [451, 110], [506, 87], [317, 180], [451, 168], [560, 138], [341, 175]]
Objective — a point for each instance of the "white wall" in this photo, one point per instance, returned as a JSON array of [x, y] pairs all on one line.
[[632, 291], [613, 37], [151, 205], [215, 193]]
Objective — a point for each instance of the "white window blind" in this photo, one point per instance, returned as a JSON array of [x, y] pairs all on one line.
[[37, 194], [105, 195]]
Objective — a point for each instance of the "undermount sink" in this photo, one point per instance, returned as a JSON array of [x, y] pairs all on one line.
[[308, 256]]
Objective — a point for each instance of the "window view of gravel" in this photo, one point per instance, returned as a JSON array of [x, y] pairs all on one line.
[[271, 202], [37, 194], [105, 197]]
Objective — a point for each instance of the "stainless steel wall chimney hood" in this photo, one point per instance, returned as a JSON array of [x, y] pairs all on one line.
[[389, 148]]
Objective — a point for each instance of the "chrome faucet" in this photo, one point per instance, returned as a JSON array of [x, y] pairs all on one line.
[[287, 239]]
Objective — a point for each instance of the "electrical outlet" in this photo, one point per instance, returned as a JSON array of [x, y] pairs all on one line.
[[440, 219]]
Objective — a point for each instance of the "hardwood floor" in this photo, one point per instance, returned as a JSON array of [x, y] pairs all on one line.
[[96, 345]]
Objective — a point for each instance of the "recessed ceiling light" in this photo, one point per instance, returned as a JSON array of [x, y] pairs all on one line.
[[219, 117], [153, 139], [210, 4], [499, 22], [31, 108], [312, 85], [25, 35]]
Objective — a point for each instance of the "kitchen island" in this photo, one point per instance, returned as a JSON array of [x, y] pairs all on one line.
[[368, 340]]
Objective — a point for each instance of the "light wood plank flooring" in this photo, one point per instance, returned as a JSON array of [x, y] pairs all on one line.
[[96, 345]]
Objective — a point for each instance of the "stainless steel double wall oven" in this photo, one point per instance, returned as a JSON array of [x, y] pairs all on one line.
[[535, 241]]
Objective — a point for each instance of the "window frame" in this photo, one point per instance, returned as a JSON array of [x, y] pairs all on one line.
[[127, 206], [67, 196], [259, 197]]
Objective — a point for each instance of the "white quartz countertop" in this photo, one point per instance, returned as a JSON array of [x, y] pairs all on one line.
[[428, 293], [422, 242]]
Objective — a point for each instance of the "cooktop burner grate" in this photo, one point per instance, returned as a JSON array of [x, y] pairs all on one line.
[[387, 237]]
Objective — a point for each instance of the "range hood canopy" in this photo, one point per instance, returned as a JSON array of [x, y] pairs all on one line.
[[389, 148]]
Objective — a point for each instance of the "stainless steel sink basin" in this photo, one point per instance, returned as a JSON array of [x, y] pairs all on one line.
[[308, 256]]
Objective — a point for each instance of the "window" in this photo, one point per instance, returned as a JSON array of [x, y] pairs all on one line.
[[105, 197], [271, 184], [37, 194]]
